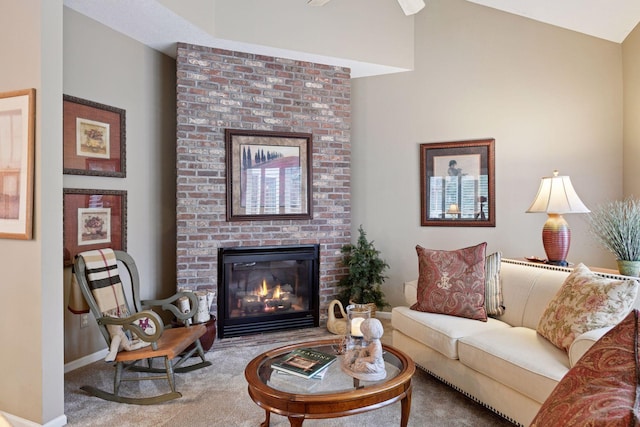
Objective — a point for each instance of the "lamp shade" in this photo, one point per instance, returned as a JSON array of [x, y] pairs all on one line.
[[453, 209], [556, 195]]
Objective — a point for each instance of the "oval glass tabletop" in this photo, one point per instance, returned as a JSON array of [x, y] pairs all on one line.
[[333, 380]]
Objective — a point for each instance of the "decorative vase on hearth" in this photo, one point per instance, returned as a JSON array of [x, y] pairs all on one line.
[[337, 325]]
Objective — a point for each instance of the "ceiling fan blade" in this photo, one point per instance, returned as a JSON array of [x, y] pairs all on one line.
[[410, 7]]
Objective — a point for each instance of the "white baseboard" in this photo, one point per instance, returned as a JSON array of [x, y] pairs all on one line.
[[10, 420], [383, 314], [83, 361]]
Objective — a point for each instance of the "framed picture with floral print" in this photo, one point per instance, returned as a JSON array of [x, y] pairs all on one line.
[[93, 219]]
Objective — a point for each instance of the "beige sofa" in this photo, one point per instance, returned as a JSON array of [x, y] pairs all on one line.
[[502, 363]]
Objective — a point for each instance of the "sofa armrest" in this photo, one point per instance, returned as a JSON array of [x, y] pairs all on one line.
[[411, 292], [583, 342]]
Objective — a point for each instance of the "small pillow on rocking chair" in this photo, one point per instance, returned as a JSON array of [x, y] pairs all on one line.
[[120, 339]]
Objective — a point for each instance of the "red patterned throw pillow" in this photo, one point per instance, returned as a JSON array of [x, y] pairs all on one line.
[[600, 390], [452, 282]]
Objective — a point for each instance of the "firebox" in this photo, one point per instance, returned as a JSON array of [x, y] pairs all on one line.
[[267, 288]]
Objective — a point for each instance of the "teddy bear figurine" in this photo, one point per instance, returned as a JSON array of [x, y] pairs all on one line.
[[366, 362]]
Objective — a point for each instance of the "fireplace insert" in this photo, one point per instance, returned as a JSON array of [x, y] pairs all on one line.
[[267, 288]]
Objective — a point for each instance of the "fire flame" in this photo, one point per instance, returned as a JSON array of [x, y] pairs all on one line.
[[263, 290]]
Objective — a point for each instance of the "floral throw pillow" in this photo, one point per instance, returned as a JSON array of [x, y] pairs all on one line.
[[585, 302], [452, 282]]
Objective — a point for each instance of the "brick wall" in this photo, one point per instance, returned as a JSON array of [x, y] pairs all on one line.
[[219, 89]]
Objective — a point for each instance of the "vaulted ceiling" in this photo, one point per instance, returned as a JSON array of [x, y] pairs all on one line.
[[153, 24], [611, 20]]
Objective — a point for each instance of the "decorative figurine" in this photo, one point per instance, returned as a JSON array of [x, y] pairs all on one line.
[[366, 362], [337, 325]]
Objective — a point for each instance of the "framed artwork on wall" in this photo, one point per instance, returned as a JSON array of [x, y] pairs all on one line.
[[269, 175], [457, 187], [94, 138], [93, 219], [17, 141]]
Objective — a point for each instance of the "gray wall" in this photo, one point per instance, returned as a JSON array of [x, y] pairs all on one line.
[[551, 98], [104, 66], [631, 72], [31, 366]]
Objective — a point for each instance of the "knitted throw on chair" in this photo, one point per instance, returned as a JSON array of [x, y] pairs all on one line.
[[106, 287], [104, 282]]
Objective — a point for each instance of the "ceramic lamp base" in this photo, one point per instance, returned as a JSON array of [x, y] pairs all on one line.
[[556, 239]]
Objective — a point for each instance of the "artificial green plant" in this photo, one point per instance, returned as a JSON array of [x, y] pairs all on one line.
[[362, 284]]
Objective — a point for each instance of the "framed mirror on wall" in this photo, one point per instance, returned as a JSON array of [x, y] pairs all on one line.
[[457, 187]]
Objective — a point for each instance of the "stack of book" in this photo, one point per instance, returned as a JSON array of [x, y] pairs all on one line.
[[305, 363]]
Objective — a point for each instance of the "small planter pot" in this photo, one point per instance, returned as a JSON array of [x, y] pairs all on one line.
[[629, 268]]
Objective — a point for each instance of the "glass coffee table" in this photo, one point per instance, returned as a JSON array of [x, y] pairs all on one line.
[[335, 395]]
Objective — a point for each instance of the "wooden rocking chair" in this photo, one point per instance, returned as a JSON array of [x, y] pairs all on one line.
[[142, 331]]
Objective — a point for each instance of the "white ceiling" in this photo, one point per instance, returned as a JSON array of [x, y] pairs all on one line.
[[611, 20], [150, 23]]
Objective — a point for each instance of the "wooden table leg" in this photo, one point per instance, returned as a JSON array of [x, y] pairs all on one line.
[[405, 404], [296, 421], [267, 419]]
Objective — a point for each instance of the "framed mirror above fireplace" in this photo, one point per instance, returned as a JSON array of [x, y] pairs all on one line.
[[267, 288]]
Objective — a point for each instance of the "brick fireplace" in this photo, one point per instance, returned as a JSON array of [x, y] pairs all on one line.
[[220, 89]]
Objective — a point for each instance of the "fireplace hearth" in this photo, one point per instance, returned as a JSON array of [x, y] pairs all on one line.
[[267, 288]]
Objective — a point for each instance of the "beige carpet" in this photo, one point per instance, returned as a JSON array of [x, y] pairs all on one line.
[[217, 395]]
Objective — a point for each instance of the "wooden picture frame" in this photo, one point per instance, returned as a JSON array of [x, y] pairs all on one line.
[[269, 175], [457, 183], [93, 219], [17, 144], [94, 138]]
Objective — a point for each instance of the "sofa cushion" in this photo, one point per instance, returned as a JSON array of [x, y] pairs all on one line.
[[452, 282], [516, 357], [602, 388], [439, 331], [585, 302], [493, 301]]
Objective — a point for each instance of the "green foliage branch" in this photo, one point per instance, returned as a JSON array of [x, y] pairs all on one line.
[[362, 284]]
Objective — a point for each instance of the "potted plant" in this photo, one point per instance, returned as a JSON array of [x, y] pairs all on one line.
[[616, 225], [362, 284]]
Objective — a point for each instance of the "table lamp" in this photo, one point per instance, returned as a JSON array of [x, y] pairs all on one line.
[[555, 197], [454, 210]]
